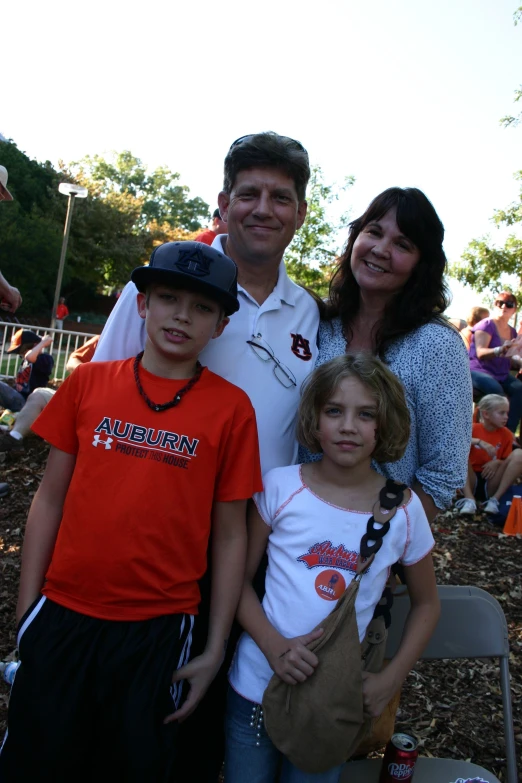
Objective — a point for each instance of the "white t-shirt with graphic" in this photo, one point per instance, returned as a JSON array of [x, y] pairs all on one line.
[[313, 550]]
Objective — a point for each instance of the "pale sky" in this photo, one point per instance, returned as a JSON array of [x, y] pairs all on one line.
[[394, 92]]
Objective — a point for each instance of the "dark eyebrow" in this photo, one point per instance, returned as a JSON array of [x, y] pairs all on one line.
[[369, 407], [283, 192]]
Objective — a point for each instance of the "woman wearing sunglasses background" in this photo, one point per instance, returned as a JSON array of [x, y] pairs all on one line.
[[489, 364]]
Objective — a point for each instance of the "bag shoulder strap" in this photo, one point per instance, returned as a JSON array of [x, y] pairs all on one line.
[[390, 498]]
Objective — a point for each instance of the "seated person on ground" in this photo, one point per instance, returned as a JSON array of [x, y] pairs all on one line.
[[37, 400], [476, 315], [34, 371], [493, 465]]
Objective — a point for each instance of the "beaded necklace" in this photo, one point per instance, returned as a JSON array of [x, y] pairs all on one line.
[[158, 407]]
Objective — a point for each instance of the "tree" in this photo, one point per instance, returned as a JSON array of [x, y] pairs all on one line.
[[160, 197], [31, 228], [482, 264], [115, 229], [310, 258]]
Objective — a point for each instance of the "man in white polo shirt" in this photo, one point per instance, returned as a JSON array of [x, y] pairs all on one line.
[[269, 346]]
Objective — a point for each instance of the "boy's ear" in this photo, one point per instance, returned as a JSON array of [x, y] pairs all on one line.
[[220, 327], [141, 301]]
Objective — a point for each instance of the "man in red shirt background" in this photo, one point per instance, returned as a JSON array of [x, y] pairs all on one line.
[[218, 227]]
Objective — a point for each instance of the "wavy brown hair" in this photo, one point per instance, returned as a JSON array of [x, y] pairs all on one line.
[[425, 295], [393, 416]]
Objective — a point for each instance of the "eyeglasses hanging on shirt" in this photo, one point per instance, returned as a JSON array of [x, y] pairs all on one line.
[[263, 350]]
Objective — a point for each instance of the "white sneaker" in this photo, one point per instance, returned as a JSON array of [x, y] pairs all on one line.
[[491, 506], [466, 506]]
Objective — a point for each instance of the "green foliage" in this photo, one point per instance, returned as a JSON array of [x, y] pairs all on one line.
[[113, 230], [482, 265], [310, 258], [159, 196], [31, 228]]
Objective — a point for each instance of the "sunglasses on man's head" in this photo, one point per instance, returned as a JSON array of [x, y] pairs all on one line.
[[510, 304]]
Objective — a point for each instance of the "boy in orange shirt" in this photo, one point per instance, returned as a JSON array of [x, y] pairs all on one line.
[[148, 454], [493, 465]]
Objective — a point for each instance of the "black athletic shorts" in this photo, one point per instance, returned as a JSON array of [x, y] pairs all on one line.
[[90, 696]]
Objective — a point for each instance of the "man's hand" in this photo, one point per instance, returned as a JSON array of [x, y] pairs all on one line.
[[293, 662], [490, 468], [10, 299], [199, 673], [47, 340], [378, 689]]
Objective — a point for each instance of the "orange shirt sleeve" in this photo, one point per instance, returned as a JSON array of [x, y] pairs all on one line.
[[239, 474]]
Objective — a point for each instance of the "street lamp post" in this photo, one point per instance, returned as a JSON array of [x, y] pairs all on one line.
[[73, 191]]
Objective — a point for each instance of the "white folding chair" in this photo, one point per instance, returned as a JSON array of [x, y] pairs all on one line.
[[472, 625]]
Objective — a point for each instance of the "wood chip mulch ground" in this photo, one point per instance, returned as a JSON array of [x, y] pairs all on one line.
[[454, 708]]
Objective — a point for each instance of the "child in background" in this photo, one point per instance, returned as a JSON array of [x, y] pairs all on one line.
[[493, 465], [353, 409], [148, 455]]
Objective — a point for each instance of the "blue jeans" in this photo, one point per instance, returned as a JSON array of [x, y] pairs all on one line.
[[10, 398], [251, 756], [510, 387]]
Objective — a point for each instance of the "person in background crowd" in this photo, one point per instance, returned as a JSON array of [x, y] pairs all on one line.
[[218, 227], [476, 314], [10, 299], [268, 348], [493, 464], [34, 372], [13, 440], [489, 363], [32, 375], [388, 296], [62, 311]]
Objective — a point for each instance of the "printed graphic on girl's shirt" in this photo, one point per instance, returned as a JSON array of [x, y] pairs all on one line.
[[327, 554]]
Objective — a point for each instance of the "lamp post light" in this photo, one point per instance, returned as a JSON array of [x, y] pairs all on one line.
[[73, 191]]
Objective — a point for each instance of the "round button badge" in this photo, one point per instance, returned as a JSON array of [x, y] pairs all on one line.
[[330, 584]]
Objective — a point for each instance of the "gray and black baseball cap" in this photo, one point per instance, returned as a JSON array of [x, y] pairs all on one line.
[[195, 266]]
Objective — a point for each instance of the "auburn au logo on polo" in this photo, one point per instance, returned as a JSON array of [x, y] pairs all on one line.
[[301, 347]]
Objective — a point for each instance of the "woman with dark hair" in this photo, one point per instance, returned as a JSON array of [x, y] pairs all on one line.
[[387, 296], [490, 359]]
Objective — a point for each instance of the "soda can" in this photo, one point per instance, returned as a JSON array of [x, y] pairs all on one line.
[[399, 759]]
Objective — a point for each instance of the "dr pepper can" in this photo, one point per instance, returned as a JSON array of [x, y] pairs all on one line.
[[399, 759]]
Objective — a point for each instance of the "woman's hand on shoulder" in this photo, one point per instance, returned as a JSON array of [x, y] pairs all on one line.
[[291, 659]]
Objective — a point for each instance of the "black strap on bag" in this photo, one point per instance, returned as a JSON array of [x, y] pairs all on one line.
[[390, 496]]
